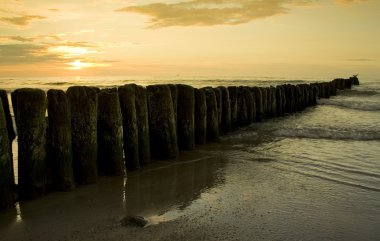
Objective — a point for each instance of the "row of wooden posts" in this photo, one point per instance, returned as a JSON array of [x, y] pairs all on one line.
[[90, 132]]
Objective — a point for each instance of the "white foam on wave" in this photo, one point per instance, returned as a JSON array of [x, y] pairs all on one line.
[[318, 133], [358, 104]]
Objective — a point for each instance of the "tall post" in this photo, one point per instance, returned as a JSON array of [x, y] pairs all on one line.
[[185, 117], [83, 103], [31, 128]]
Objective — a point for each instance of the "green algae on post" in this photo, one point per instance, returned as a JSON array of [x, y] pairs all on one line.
[[83, 103], [110, 134]]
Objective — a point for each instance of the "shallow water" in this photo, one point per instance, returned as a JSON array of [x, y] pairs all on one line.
[[313, 175]]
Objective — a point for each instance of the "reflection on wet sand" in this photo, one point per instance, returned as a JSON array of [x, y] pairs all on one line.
[[160, 189]]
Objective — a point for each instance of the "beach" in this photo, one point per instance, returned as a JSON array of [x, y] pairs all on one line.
[[312, 175]]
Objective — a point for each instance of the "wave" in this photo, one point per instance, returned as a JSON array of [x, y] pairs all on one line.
[[352, 104], [317, 133]]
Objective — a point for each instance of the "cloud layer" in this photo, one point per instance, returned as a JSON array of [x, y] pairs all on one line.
[[213, 12], [21, 20]]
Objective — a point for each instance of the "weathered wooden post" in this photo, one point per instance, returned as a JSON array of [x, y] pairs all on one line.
[[200, 117], [143, 125], [264, 93], [279, 100], [212, 115], [242, 112], [31, 129], [273, 107], [232, 90], [174, 93], [6, 181], [185, 117], [59, 143], [162, 127], [226, 110], [110, 134], [258, 103], [83, 103], [219, 99], [127, 97], [251, 105], [9, 124]]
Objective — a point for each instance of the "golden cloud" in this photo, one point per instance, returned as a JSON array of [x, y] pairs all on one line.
[[21, 20], [213, 12]]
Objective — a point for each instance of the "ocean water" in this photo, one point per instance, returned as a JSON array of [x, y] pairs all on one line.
[[312, 175]]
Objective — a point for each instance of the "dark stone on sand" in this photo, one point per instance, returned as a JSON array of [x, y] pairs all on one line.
[[127, 97], [226, 110], [212, 115], [185, 117], [233, 92], [31, 127], [162, 127], [143, 125], [137, 221], [110, 134], [200, 116], [59, 143], [6, 175], [83, 104]]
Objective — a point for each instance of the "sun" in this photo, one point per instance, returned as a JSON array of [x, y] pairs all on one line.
[[77, 64]]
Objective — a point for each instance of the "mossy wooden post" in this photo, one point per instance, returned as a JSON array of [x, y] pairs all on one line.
[[200, 116], [83, 103], [174, 93], [273, 107], [242, 112], [251, 105], [110, 134], [279, 100], [143, 125], [258, 103], [264, 94], [232, 90], [185, 117], [9, 124], [6, 180], [59, 143], [212, 115], [226, 110], [127, 97], [31, 127], [14, 103], [162, 128], [218, 95]]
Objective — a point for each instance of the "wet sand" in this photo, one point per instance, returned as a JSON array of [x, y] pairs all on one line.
[[222, 191]]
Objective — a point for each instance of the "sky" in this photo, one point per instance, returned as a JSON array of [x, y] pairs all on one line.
[[272, 38]]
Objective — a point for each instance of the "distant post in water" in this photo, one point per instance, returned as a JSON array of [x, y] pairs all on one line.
[[6, 180], [31, 128], [200, 116], [143, 125], [110, 134], [83, 102], [127, 96], [59, 144], [162, 127], [185, 117]]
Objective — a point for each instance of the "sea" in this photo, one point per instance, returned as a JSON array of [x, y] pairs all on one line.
[[311, 175]]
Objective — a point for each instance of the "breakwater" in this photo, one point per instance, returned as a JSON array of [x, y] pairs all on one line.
[[86, 124]]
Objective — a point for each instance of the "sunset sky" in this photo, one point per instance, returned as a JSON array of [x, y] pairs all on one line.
[[300, 38]]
